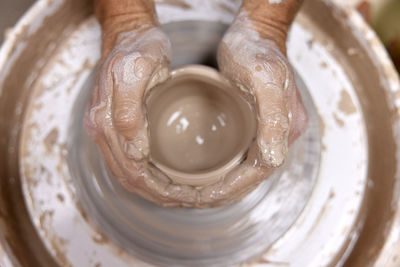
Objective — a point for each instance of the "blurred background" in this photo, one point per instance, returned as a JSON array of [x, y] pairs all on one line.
[[10, 11], [384, 17]]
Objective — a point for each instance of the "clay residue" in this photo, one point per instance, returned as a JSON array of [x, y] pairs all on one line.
[[310, 43], [178, 3], [331, 194], [45, 218], [60, 197], [82, 212], [324, 148], [322, 212], [100, 238], [51, 139], [346, 104], [338, 120], [58, 245], [322, 124], [87, 66], [45, 174]]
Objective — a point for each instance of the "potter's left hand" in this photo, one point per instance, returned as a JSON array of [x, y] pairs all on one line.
[[135, 57], [252, 56]]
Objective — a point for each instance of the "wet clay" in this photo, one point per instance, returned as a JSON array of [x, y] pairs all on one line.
[[198, 125], [138, 61], [192, 133], [124, 150], [258, 66], [136, 58]]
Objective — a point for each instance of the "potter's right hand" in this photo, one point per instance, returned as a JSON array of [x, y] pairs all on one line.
[[252, 56]]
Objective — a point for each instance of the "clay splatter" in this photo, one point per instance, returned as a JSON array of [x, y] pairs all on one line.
[[60, 197], [338, 120], [346, 104], [51, 139]]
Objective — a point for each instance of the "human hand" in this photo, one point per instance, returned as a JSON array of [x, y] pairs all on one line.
[[135, 57], [256, 63], [138, 60]]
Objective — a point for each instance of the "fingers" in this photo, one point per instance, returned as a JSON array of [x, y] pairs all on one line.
[[96, 113], [266, 76], [273, 125], [252, 55], [130, 75], [237, 183], [272, 81]]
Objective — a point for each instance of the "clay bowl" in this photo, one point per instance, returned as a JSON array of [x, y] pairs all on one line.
[[336, 204], [200, 125]]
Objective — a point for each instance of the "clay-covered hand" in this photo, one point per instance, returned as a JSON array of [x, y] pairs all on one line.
[[137, 61], [257, 64], [252, 56], [135, 56]]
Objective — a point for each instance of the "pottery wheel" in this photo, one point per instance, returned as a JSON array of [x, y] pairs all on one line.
[[224, 235], [217, 236], [310, 212]]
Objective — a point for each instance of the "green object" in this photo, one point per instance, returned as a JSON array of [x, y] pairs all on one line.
[[387, 25]]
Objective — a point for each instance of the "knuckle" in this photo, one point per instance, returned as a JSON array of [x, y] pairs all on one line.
[[133, 68], [274, 68], [275, 120], [126, 114]]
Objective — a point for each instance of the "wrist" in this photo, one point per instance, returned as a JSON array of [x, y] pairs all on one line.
[[271, 19], [106, 10], [273, 31], [118, 16], [113, 31]]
